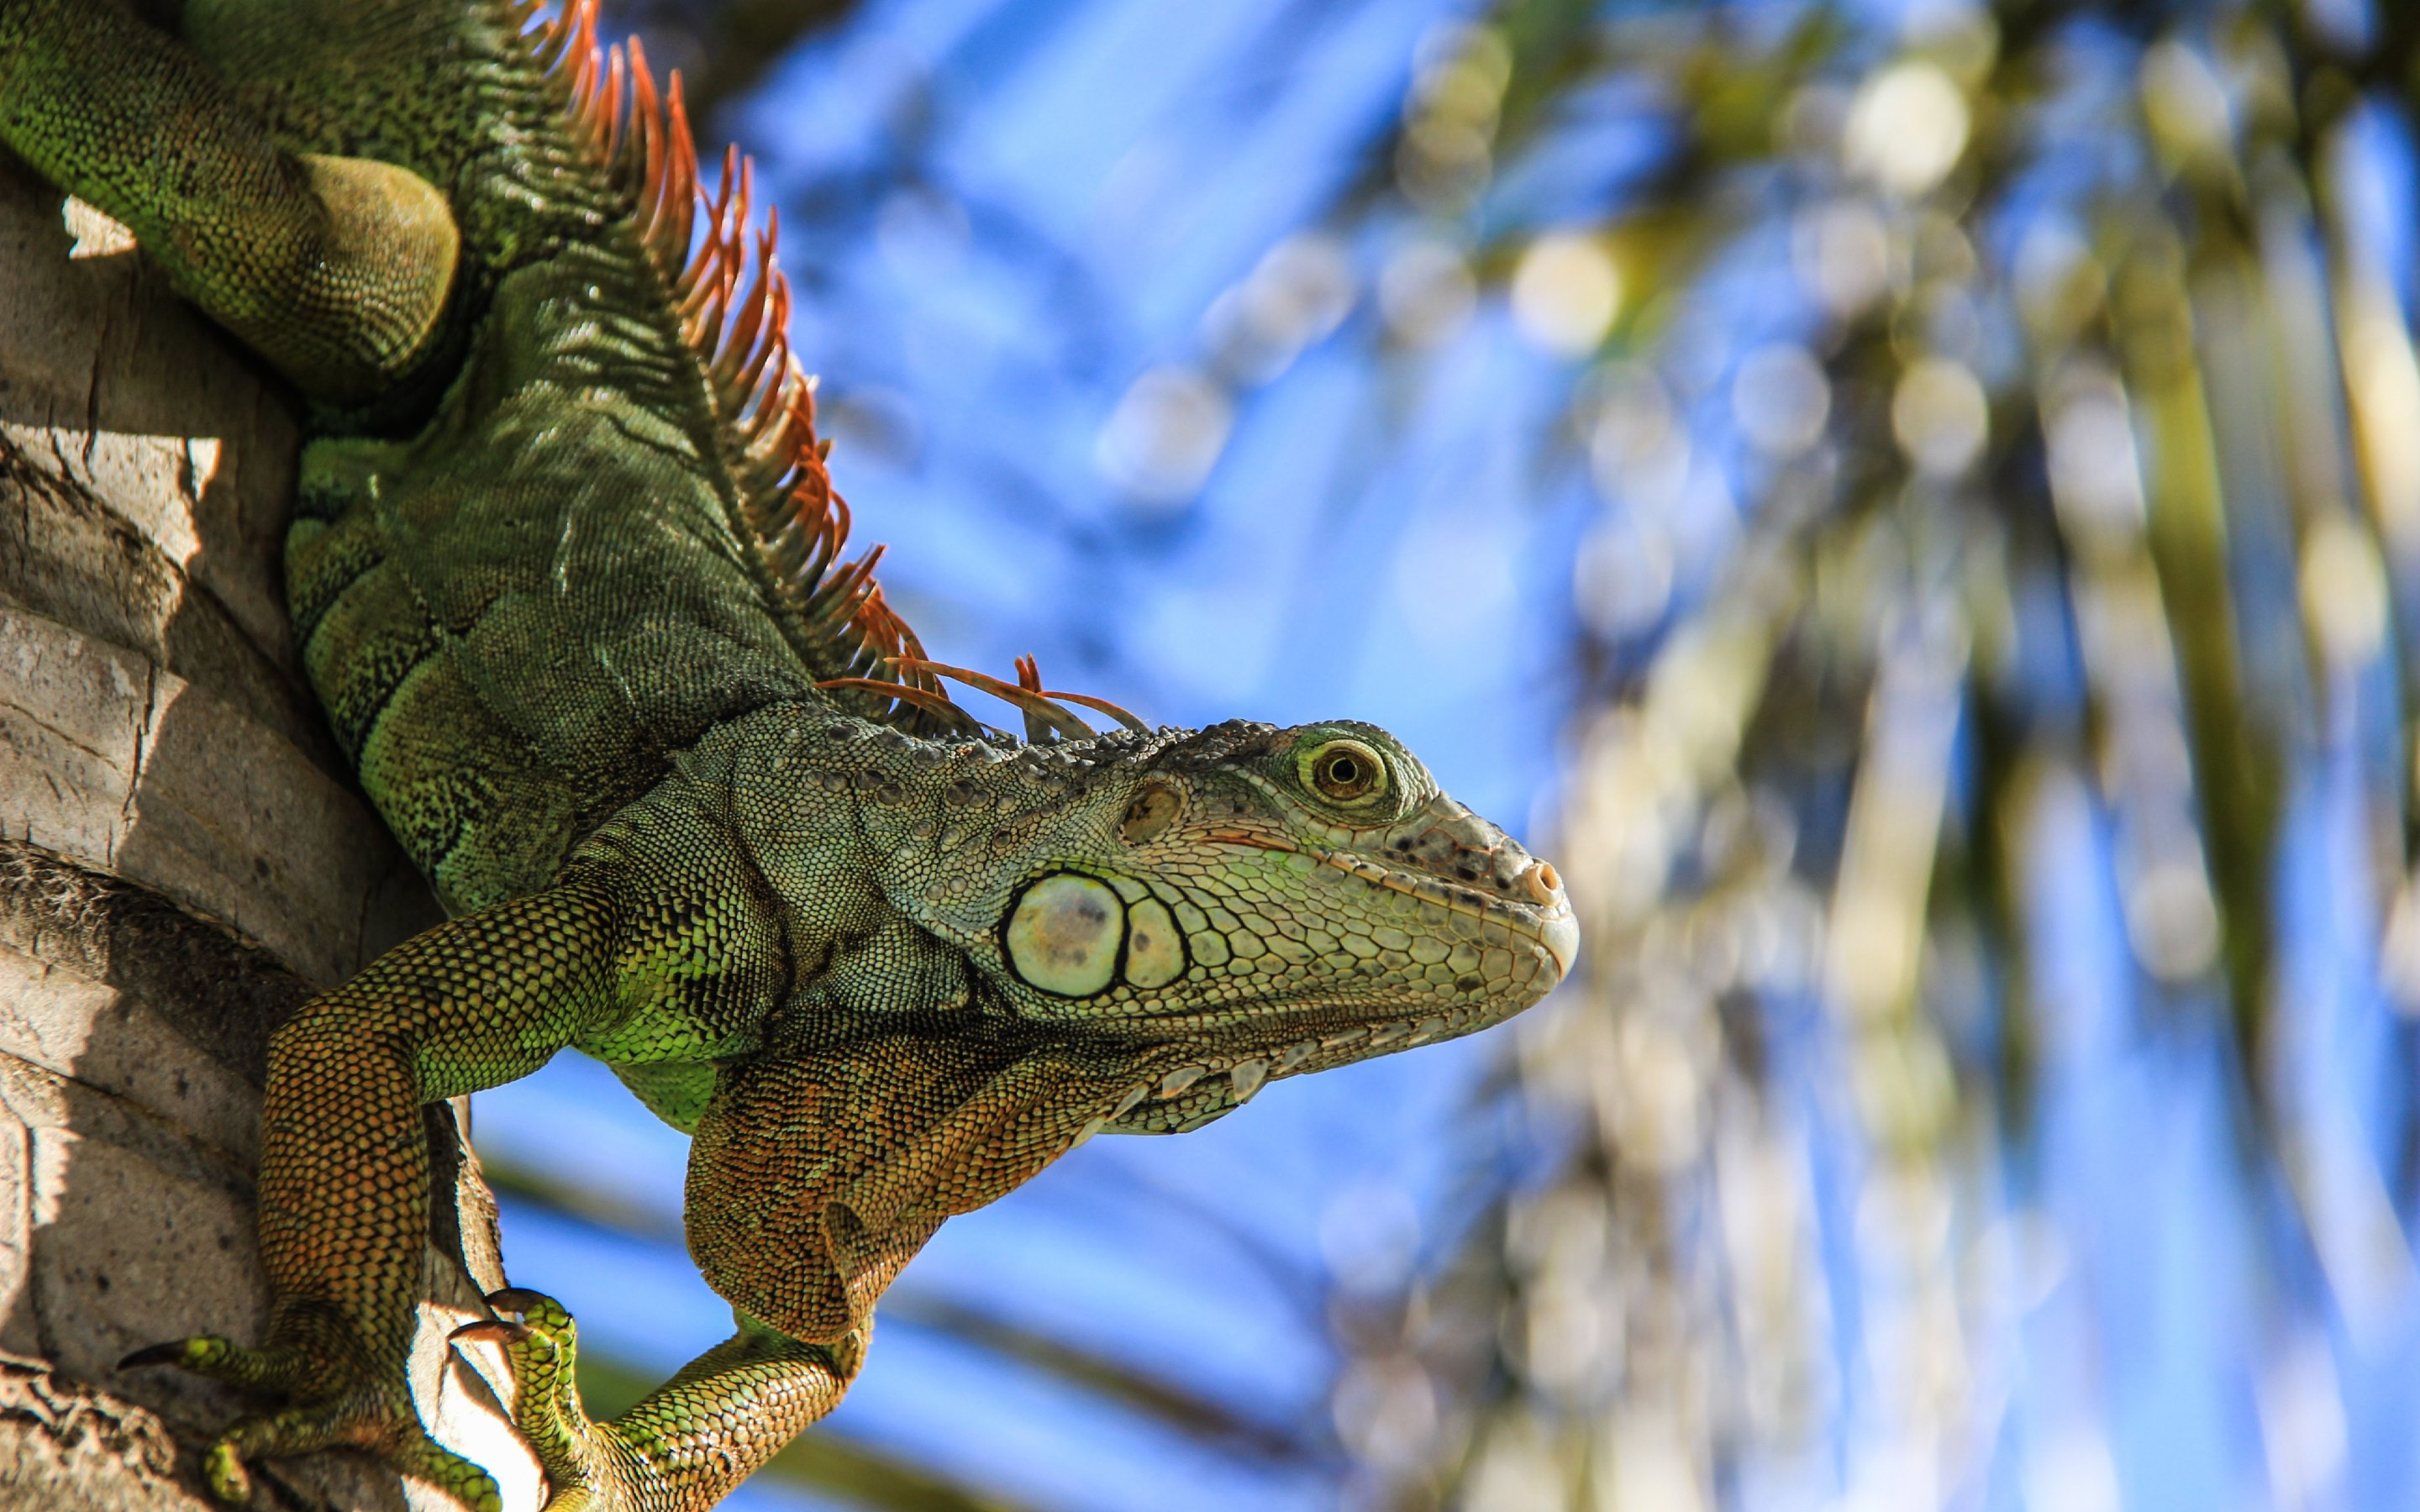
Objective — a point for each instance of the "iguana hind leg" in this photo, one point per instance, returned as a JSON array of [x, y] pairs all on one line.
[[336, 270]]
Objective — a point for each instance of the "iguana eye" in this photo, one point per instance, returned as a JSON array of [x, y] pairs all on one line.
[[1344, 772]]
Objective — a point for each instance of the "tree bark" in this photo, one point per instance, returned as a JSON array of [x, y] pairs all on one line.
[[183, 860]]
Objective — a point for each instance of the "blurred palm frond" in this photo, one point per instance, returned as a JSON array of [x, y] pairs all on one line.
[[2009, 534]]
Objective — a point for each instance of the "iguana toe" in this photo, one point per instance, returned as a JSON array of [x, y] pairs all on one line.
[[376, 1417], [361, 1420], [223, 1468], [426, 1460], [222, 1358], [540, 1344]]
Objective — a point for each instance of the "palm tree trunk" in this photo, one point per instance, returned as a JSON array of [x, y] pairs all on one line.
[[182, 861]]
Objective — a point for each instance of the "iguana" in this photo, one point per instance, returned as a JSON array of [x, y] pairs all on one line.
[[568, 576]]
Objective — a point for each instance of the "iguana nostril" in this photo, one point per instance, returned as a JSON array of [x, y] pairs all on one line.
[[1543, 884]]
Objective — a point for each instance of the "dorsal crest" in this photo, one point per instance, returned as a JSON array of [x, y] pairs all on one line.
[[720, 269]]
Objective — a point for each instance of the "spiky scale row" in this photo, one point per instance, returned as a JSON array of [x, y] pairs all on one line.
[[1027, 694], [1028, 677], [798, 524]]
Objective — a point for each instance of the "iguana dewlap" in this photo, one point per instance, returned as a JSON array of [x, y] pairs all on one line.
[[568, 572]]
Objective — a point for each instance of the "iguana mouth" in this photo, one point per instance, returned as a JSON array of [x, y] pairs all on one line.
[[1229, 837], [1248, 1068], [1547, 920]]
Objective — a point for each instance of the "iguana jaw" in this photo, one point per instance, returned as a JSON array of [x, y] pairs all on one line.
[[1551, 924], [1201, 1061], [1208, 1069]]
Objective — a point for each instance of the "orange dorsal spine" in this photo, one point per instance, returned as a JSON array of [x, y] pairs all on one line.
[[707, 250]]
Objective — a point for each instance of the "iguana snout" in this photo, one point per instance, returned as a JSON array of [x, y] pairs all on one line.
[[1446, 840]]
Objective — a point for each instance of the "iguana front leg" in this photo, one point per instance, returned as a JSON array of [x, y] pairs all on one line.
[[822, 1164], [337, 270], [645, 936], [344, 1180]]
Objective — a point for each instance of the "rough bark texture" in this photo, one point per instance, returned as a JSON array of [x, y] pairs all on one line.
[[182, 861]]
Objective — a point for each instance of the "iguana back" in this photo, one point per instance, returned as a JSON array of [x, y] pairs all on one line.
[[599, 525]]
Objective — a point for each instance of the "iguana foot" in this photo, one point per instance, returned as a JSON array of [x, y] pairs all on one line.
[[376, 1417], [687, 1444], [584, 1460]]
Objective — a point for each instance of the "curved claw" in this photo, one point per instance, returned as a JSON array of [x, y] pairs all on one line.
[[540, 1350], [523, 1300], [488, 1331], [172, 1352]]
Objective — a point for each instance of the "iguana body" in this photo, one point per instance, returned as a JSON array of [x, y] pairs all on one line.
[[566, 571]]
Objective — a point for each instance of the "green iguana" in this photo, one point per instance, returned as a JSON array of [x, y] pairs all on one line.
[[569, 575]]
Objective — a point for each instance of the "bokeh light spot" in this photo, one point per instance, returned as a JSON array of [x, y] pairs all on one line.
[[2344, 590], [1781, 398], [1841, 252], [2184, 102], [1907, 128], [1165, 436], [1426, 293], [1300, 291], [1623, 580], [1565, 293], [1940, 416]]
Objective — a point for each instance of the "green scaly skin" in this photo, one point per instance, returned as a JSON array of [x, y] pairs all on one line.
[[881, 971]]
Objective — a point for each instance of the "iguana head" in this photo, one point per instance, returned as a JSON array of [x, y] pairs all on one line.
[[1262, 902], [1149, 927]]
